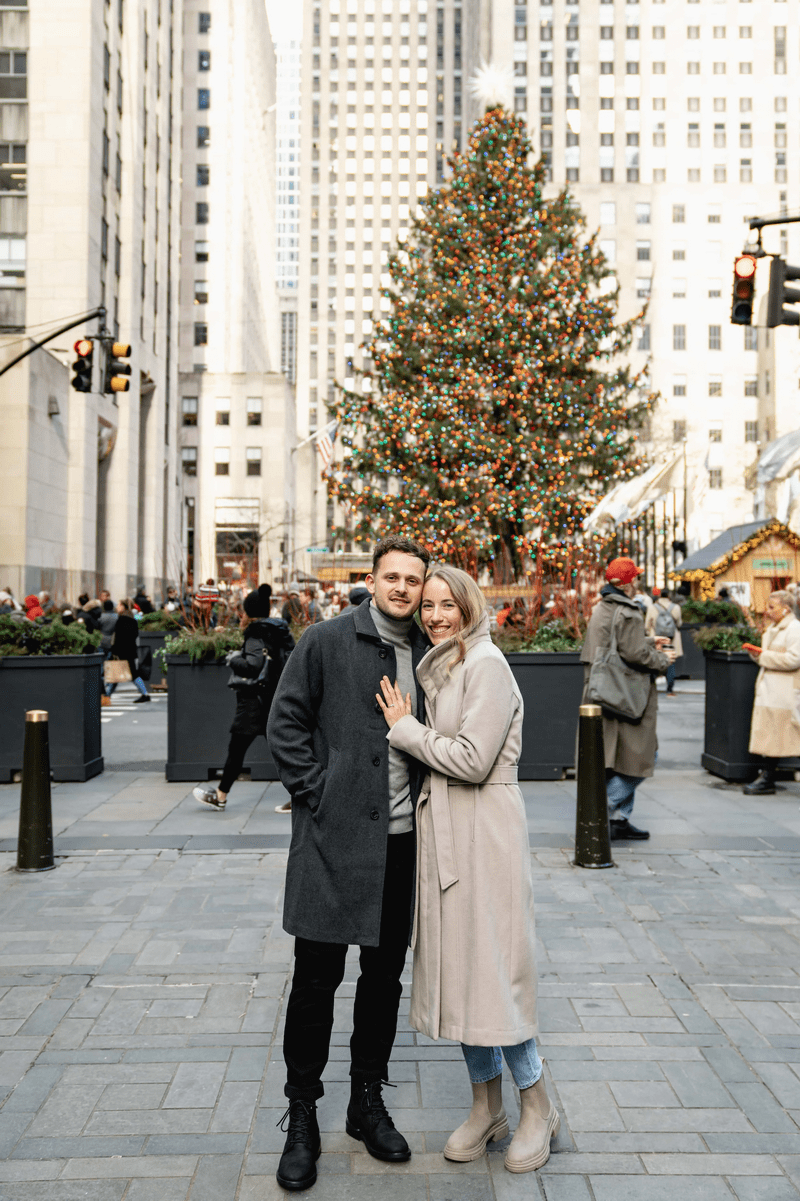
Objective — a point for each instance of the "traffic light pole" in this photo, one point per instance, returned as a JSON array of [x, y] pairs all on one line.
[[98, 312]]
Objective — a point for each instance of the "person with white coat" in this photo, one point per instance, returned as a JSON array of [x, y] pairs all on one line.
[[775, 728], [474, 978]]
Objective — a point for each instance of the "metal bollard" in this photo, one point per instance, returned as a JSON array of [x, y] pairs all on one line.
[[592, 837], [35, 844]]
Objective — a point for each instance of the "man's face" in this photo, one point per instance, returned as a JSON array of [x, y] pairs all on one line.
[[104, 595], [396, 584]]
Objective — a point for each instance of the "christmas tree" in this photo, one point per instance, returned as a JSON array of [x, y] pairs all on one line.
[[491, 419]]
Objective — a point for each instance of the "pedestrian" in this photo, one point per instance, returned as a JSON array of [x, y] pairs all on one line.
[[104, 596], [6, 604], [775, 727], [46, 604], [350, 871], [311, 609], [89, 614], [663, 620], [124, 646], [358, 594], [630, 746], [255, 671], [106, 623], [474, 941], [33, 610], [292, 611], [142, 601]]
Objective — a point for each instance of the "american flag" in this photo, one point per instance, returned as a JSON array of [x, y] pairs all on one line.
[[324, 441]]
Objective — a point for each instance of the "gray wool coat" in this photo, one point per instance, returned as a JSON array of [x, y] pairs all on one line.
[[630, 747], [327, 735]]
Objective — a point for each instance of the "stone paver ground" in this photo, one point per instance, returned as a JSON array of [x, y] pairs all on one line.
[[142, 995]]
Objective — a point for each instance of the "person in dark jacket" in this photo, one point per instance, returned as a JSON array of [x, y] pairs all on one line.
[[350, 872], [142, 601], [124, 646], [268, 642]]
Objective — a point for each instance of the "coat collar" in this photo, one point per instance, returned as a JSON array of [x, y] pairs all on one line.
[[434, 669], [619, 598], [784, 622]]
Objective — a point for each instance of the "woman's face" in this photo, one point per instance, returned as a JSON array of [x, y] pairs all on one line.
[[121, 608], [775, 610], [440, 615]]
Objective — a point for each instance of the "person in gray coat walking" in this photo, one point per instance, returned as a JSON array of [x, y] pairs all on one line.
[[630, 747], [350, 872]]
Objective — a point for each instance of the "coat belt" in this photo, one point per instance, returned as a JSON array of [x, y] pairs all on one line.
[[441, 817]]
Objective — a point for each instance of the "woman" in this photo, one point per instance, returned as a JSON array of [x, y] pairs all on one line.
[[775, 730], [124, 646], [474, 945], [630, 747], [669, 613], [267, 644]]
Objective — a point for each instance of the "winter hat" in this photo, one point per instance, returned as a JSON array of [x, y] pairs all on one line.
[[656, 593], [624, 570], [358, 594], [257, 604]]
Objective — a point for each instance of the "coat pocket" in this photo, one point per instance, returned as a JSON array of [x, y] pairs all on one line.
[[326, 801]]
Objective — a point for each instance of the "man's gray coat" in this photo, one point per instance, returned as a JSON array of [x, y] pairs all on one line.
[[327, 735]]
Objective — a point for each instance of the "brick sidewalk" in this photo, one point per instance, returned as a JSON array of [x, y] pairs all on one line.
[[141, 1000]]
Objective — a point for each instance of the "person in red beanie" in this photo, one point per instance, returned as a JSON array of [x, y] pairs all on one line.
[[630, 747]]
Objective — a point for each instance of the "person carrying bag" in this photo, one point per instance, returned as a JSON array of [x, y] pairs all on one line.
[[620, 665]]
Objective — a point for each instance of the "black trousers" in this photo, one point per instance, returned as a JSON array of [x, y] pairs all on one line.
[[318, 972], [238, 747]]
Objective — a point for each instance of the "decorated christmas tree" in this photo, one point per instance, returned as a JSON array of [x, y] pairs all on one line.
[[493, 416]]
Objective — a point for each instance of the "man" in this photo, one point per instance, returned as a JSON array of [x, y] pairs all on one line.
[[350, 873], [630, 748]]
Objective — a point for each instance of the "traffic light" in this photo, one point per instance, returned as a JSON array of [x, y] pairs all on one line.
[[744, 285], [82, 380], [116, 368], [779, 294]]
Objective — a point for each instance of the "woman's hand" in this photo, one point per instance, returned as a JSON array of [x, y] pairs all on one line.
[[392, 703]]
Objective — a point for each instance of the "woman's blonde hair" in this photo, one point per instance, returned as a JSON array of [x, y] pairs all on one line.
[[468, 597], [787, 599]]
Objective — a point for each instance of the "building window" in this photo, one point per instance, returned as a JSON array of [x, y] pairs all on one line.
[[679, 385], [203, 137], [751, 431], [679, 289], [203, 175], [693, 135], [606, 174], [720, 173], [715, 337], [678, 215], [189, 410], [200, 333], [643, 341], [204, 22], [608, 212], [13, 75], [13, 168], [643, 252], [679, 431], [204, 60], [643, 285], [201, 213], [715, 433], [222, 460], [189, 460], [751, 385], [200, 291], [750, 337], [679, 337], [223, 416], [715, 385], [253, 458], [642, 214], [201, 252], [204, 98], [254, 409], [715, 477]]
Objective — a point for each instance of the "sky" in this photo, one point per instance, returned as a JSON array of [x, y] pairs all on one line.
[[285, 19]]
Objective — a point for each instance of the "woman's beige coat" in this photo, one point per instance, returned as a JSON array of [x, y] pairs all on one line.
[[775, 729], [674, 611], [474, 939]]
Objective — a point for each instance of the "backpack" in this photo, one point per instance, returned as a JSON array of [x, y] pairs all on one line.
[[275, 657], [665, 623]]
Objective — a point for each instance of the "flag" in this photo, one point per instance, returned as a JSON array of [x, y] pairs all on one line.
[[324, 441]]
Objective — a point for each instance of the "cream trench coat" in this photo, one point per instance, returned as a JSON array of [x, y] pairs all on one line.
[[474, 941], [775, 729]]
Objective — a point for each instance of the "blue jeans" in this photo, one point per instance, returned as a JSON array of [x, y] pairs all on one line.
[[670, 677], [621, 792], [484, 1063]]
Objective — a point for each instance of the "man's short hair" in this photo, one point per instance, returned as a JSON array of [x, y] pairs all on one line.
[[406, 546]]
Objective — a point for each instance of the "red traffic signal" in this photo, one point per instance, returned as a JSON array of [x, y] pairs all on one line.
[[744, 286], [83, 348], [83, 365]]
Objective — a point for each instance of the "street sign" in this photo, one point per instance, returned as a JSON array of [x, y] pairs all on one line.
[[318, 550]]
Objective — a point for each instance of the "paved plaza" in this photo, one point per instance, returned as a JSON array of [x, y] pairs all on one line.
[[143, 985]]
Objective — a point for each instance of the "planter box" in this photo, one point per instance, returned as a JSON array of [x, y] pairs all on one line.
[[551, 684], [692, 663], [200, 709], [68, 687], [730, 688], [154, 639]]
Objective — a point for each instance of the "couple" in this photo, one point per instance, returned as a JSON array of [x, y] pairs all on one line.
[[399, 747]]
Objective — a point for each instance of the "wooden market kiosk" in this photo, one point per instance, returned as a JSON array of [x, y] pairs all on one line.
[[750, 560]]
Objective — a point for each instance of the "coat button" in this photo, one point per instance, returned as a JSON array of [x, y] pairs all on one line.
[[381, 654], [376, 762], [377, 707], [374, 815]]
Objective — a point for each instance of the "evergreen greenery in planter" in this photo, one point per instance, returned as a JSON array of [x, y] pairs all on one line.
[[202, 646], [555, 636], [712, 612], [47, 638], [161, 620], [726, 638]]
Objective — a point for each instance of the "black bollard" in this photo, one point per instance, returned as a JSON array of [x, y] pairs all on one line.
[[35, 844], [592, 836]]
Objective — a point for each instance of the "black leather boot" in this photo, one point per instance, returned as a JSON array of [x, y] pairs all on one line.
[[763, 785], [621, 830], [368, 1121], [298, 1166]]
